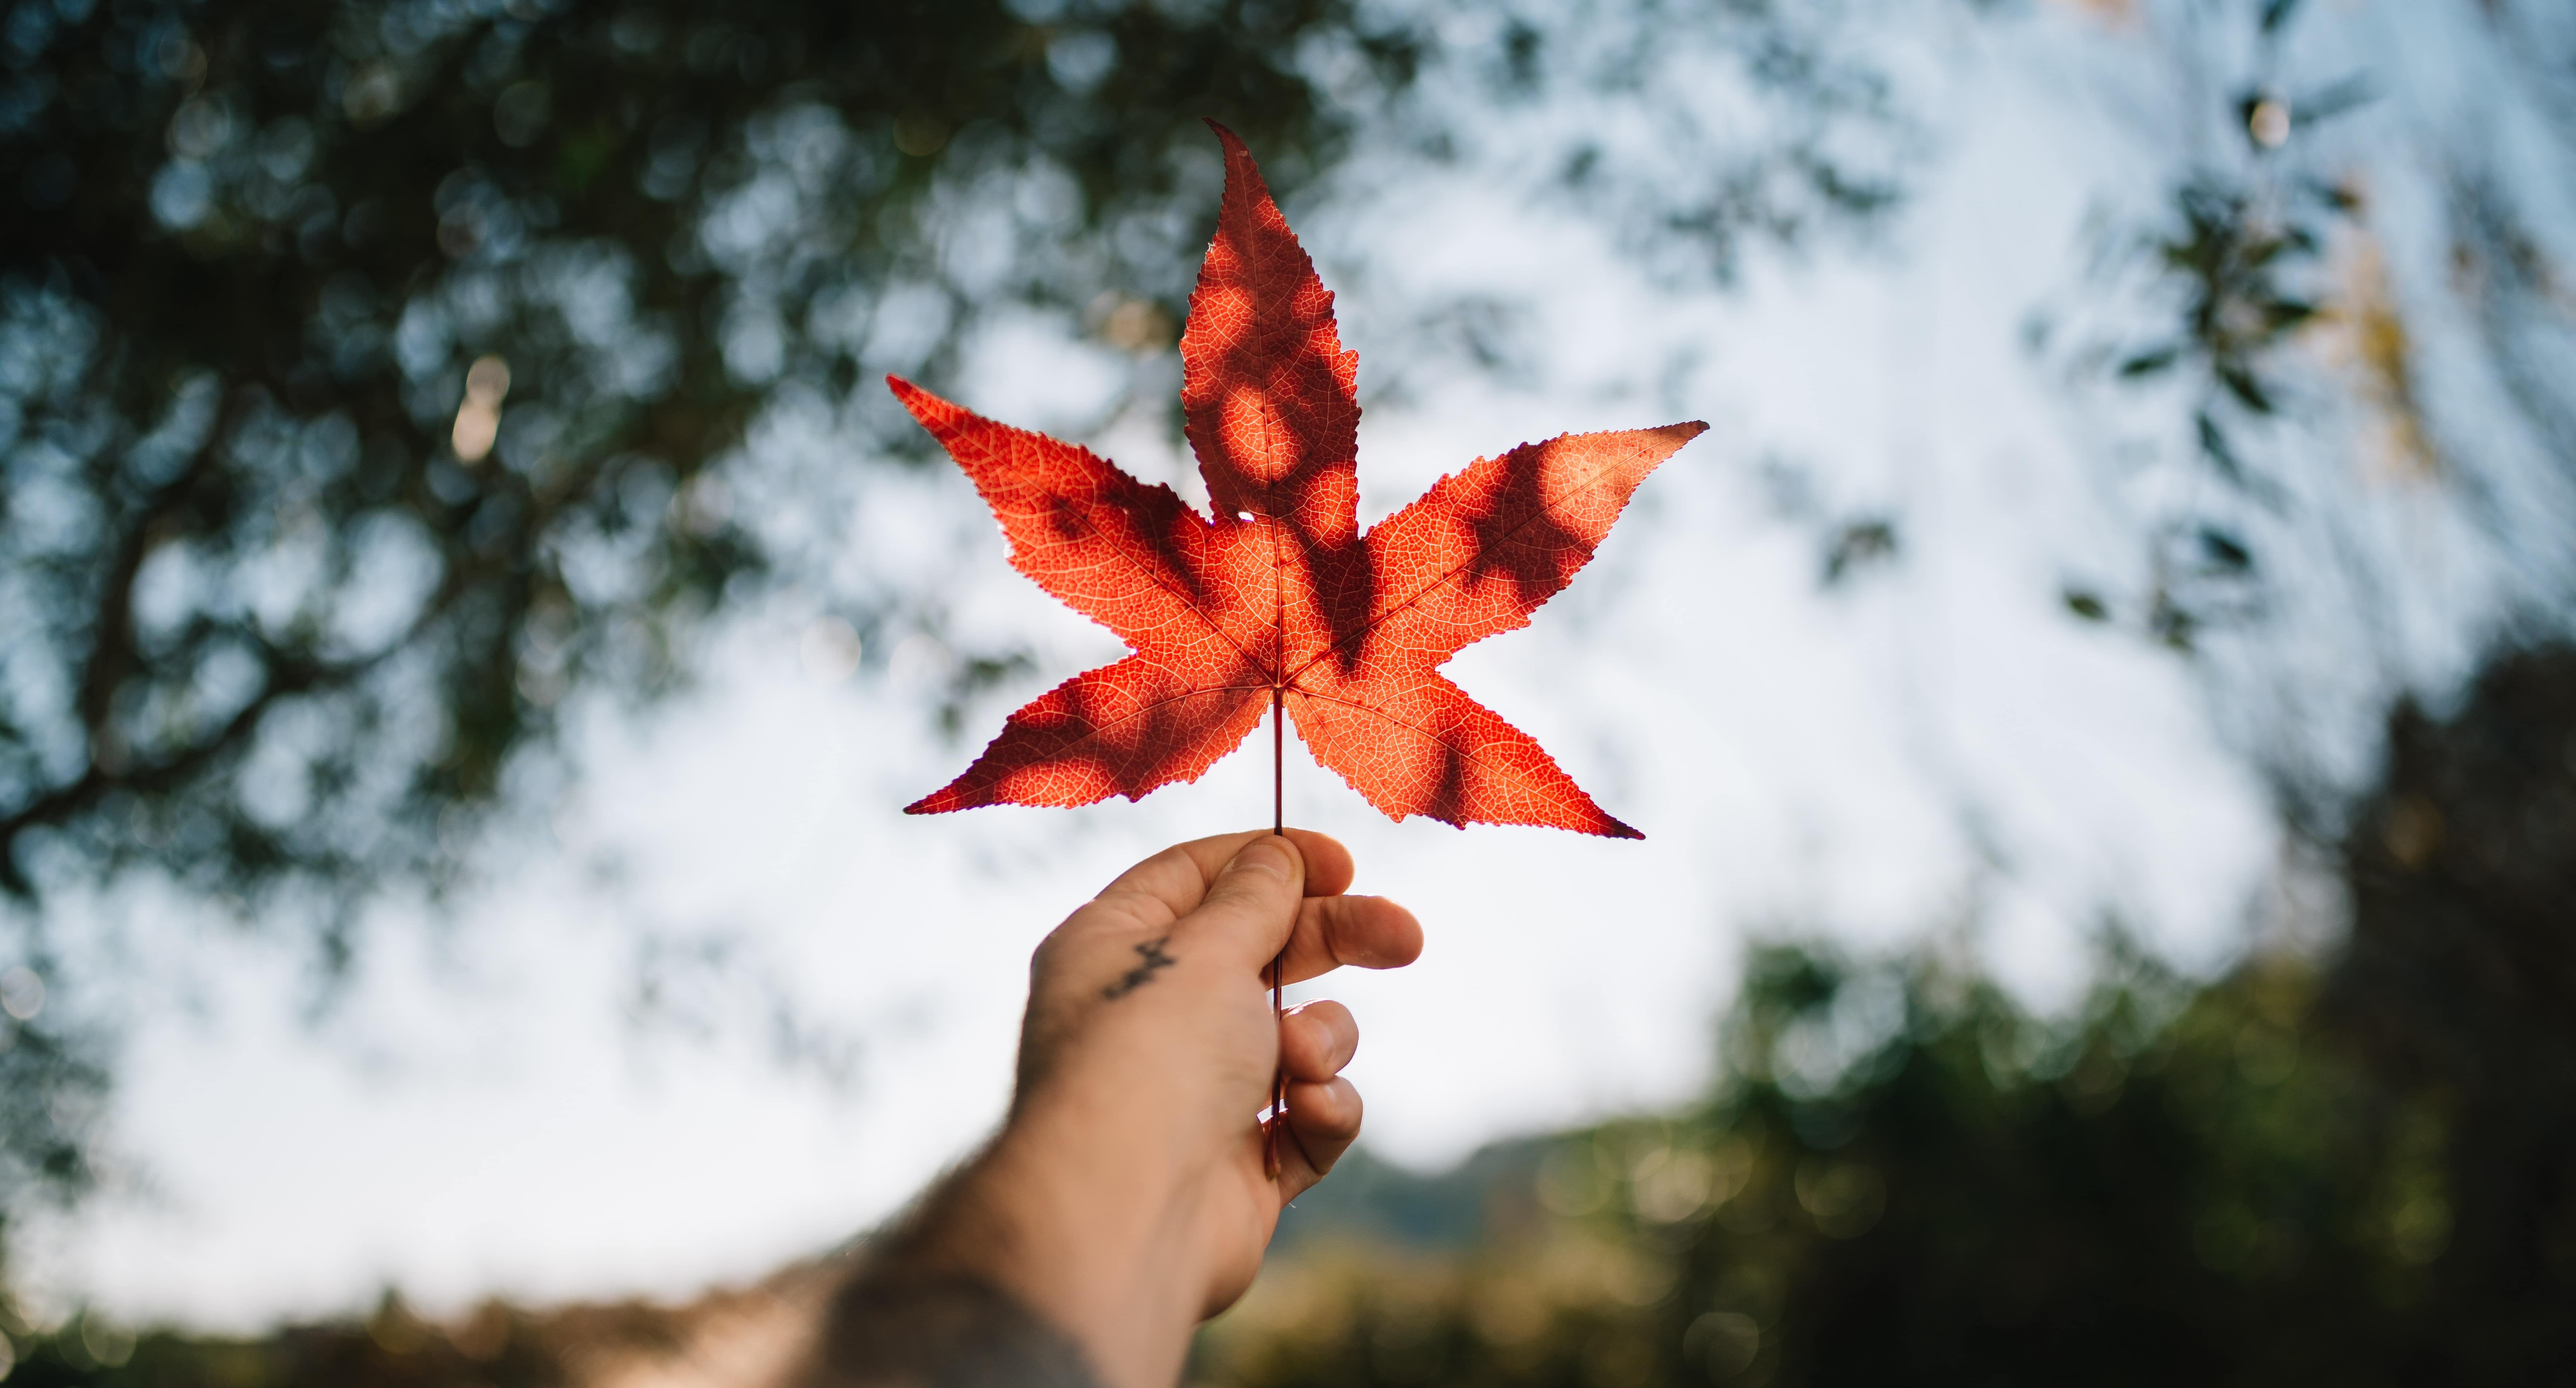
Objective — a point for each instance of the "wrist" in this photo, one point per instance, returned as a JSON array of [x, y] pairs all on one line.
[[899, 1325], [1104, 1248]]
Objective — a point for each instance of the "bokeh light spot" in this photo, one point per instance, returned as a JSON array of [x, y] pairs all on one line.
[[2269, 123], [22, 993], [478, 419]]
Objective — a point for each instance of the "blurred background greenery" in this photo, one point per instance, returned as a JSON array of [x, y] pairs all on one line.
[[375, 375], [2355, 1168]]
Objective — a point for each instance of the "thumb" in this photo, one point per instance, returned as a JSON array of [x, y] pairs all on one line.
[[1251, 907]]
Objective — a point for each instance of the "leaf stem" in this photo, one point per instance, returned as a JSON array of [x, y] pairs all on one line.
[[1279, 964]]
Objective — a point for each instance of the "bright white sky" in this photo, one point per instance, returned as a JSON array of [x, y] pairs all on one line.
[[480, 1117]]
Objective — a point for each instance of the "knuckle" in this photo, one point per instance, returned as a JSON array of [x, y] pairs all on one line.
[[1047, 957], [1269, 856], [1077, 930], [1332, 1109], [1235, 900]]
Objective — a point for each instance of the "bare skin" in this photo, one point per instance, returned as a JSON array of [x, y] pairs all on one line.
[[1126, 1197]]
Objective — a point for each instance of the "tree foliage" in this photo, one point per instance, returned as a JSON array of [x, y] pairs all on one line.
[[2335, 329], [275, 600]]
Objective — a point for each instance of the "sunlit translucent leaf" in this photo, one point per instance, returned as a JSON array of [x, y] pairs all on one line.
[[1278, 598]]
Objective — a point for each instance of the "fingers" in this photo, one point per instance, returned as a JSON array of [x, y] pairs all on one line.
[[1251, 905], [1256, 917], [1328, 864], [1178, 878], [1257, 892], [1323, 1122], [1366, 932], [1316, 1040]]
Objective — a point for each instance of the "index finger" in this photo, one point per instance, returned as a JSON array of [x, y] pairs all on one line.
[[1178, 877]]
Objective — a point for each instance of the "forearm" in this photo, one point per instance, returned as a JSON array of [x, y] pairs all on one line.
[[1016, 1270], [896, 1327], [925, 1308]]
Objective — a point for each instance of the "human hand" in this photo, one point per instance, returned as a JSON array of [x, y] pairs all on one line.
[[1126, 1197]]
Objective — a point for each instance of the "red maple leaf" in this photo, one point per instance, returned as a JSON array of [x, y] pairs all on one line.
[[1279, 600]]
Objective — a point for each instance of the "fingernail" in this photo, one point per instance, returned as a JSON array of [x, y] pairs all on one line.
[[1263, 855]]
